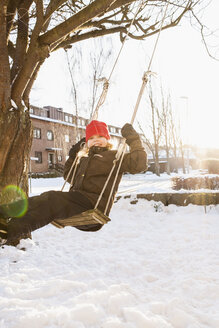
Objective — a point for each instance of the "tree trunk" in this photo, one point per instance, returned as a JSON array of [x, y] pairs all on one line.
[[168, 160], [4, 63], [15, 128], [183, 157], [175, 158], [157, 165]]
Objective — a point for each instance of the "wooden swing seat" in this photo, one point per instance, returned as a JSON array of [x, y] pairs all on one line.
[[93, 216]]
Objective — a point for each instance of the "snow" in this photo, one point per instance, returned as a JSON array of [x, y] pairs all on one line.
[[151, 267]]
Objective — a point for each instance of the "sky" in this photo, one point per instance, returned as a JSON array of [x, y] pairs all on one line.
[[181, 64]]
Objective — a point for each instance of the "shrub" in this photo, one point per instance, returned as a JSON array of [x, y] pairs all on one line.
[[44, 175], [210, 164], [194, 183]]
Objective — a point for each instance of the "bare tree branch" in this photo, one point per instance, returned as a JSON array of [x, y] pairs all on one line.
[[75, 22], [11, 50], [33, 56], [202, 28], [22, 37], [39, 22], [52, 7], [29, 86], [93, 34], [11, 11]]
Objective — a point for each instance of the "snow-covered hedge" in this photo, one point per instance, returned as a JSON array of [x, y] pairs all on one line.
[[180, 198], [45, 175], [195, 183]]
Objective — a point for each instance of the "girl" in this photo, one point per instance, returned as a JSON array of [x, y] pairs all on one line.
[[96, 160]]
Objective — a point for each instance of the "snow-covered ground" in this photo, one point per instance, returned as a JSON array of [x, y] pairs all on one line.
[[150, 267]]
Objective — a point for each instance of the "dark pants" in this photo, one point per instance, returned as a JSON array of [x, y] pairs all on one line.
[[47, 207]]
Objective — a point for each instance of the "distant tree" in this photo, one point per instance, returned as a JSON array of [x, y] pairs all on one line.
[[74, 67], [166, 125], [147, 141], [99, 61], [31, 29], [165, 129], [86, 71], [182, 151], [174, 138], [178, 140], [155, 126]]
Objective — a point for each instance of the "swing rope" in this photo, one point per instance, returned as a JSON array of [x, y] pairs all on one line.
[[101, 217], [104, 92], [102, 98], [121, 152], [106, 81]]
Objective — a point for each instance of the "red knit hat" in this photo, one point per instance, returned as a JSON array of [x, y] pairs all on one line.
[[97, 127]]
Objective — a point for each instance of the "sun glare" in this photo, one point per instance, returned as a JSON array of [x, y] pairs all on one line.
[[202, 130]]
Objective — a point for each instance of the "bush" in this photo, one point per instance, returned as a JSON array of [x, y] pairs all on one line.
[[44, 175], [194, 183], [210, 164]]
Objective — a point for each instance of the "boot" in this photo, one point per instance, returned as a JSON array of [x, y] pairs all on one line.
[[4, 232], [16, 241]]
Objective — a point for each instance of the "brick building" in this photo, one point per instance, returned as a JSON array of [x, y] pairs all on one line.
[[54, 132]]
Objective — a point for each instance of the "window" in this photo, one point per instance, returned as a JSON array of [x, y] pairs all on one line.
[[31, 110], [37, 133], [66, 138], [39, 155], [59, 158], [70, 119], [112, 129], [49, 135], [66, 118]]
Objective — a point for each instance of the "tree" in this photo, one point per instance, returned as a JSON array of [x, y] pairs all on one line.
[[87, 70], [98, 64], [31, 29], [177, 140], [172, 133], [154, 125], [182, 148], [74, 65], [174, 138], [166, 125], [147, 141], [156, 128]]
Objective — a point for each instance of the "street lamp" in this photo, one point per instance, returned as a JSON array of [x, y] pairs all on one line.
[[187, 131]]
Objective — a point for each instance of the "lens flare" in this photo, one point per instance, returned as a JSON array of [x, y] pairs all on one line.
[[14, 201]]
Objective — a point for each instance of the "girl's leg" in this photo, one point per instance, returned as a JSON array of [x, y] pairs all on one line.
[[45, 208]]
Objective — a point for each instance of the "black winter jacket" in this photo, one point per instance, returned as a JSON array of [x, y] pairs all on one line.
[[93, 170]]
